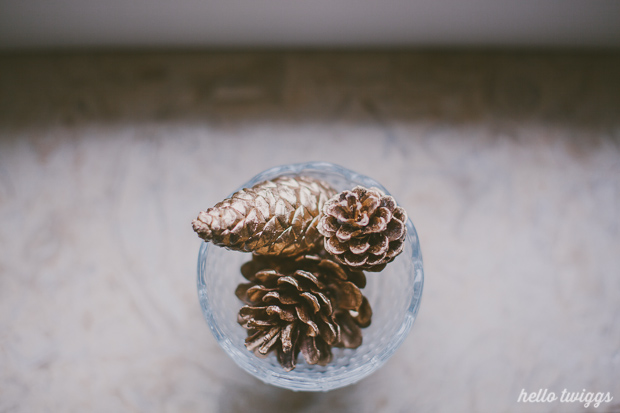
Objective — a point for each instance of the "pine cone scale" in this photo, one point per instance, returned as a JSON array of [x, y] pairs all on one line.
[[379, 244], [247, 312], [377, 224], [309, 350], [396, 248], [282, 298], [254, 323], [395, 230], [304, 316], [350, 332], [269, 342], [354, 260], [328, 330], [331, 224], [359, 245], [371, 203], [266, 276], [335, 247], [242, 292], [256, 292], [348, 295], [312, 300], [315, 351], [311, 278], [345, 233], [255, 340], [376, 260], [327, 305], [282, 312], [287, 279], [307, 198], [287, 337], [287, 360], [364, 314]]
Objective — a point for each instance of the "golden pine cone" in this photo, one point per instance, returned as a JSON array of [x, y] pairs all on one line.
[[276, 217], [363, 228], [307, 304]]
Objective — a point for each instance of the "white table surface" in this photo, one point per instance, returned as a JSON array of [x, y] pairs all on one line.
[[508, 164]]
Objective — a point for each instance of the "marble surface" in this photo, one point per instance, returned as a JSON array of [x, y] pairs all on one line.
[[507, 163]]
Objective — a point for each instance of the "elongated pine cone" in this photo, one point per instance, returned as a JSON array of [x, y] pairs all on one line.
[[363, 228], [306, 304], [276, 217]]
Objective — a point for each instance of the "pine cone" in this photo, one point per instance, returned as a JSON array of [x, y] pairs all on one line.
[[363, 228], [276, 217], [308, 304]]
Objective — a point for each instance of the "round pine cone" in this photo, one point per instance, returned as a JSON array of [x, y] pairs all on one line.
[[363, 228], [307, 304]]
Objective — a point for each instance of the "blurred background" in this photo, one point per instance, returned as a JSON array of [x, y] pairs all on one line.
[[496, 125]]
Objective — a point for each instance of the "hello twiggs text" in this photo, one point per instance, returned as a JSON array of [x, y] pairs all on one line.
[[545, 396]]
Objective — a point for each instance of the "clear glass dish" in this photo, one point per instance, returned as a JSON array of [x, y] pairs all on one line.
[[394, 295]]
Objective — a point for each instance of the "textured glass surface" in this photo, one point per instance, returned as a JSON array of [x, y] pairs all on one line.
[[394, 295]]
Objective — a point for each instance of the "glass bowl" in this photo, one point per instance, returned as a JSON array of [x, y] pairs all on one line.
[[394, 295]]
